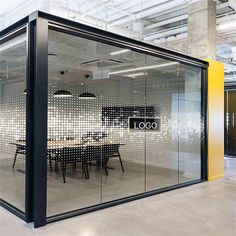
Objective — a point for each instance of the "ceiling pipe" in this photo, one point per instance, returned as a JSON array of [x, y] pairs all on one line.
[[165, 22], [179, 18], [183, 29], [179, 37], [151, 11], [94, 22], [166, 33], [137, 8], [100, 8]]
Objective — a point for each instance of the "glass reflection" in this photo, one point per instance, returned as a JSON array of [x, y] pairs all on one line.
[[119, 123], [13, 121]]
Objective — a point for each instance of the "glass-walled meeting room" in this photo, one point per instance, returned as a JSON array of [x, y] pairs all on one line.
[[120, 121]]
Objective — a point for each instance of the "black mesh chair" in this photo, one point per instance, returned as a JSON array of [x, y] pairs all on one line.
[[110, 151], [100, 155], [93, 156], [69, 155], [20, 149]]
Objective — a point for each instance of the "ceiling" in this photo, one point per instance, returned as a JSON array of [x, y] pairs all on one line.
[[78, 61], [160, 22]]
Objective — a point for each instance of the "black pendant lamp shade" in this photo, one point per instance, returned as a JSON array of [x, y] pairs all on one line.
[[88, 96], [25, 92], [62, 94]]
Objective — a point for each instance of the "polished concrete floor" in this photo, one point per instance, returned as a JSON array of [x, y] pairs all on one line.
[[203, 209], [79, 192]]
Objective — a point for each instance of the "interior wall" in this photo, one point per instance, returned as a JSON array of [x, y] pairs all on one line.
[[72, 117], [80, 117], [13, 116]]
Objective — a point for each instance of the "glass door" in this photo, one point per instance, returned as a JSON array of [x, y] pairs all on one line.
[[162, 155], [230, 127]]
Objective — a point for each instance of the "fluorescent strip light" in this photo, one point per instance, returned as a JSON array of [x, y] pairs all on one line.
[[192, 1], [11, 44], [233, 78], [62, 96], [143, 68], [136, 74], [227, 25], [234, 53], [126, 19], [87, 98], [119, 52]]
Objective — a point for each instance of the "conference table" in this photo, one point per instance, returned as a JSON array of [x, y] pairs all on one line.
[[71, 151]]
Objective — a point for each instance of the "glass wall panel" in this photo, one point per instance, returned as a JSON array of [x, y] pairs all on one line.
[[123, 106], [189, 121], [94, 155], [162, 142], [13, 120], [74, 112], [119, 123]]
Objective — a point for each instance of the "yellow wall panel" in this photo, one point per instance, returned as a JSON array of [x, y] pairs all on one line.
[[215, 120]]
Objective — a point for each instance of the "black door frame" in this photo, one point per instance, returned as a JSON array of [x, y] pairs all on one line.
[[14, 31], [228, 89], [37, 25]]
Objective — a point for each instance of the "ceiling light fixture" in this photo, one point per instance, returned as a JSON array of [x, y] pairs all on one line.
[[144, 68], [62, 93], [135, 75], [52, 56], [25, 92], [234, 53], [120, 52], [87, 96], [227, 25], [233, 78], [12, 44]]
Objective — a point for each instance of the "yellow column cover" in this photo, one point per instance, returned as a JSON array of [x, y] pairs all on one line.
[[215, 120]]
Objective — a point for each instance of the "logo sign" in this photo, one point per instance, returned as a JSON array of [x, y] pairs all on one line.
[[145, 123]]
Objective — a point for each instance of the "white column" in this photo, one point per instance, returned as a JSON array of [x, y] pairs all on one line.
[[202, 29]]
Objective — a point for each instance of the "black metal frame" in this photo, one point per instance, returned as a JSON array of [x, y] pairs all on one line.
[[101, 206], [12, 32], [228, 89], [204, 118], [37, 25]]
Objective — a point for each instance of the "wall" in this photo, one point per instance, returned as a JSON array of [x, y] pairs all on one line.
[[178, 108], [72, 117]]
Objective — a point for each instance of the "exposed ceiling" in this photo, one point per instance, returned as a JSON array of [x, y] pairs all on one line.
[[161, 22], [79, 61]]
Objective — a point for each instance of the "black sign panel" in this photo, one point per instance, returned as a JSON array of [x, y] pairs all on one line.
[[118, 116], [145, 123]]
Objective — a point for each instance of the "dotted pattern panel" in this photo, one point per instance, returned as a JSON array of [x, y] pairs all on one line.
[[85, 135], [13, 120]]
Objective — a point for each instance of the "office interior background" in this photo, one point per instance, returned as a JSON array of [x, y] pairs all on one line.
[[99, 92]]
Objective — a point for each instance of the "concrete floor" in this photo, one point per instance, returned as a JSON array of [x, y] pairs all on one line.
[[203, 209], [79, 192]]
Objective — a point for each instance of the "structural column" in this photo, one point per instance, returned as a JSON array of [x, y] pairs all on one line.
[[215, 120], [202, 29], [202, 44]]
